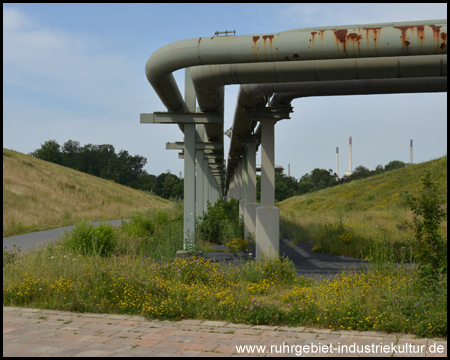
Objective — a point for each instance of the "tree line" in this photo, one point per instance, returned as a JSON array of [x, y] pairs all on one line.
[[102, 161], [122, 168], [288, 186]]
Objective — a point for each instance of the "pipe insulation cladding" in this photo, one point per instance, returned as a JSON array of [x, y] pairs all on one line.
[[317, 43], [335, 53]]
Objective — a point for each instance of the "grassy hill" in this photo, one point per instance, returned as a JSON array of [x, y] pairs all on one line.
[[362, 217], [39, 195], [378, 192]]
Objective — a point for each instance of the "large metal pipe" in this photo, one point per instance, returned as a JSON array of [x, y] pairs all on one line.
[[250, 96], [318, 43], [210, 80]]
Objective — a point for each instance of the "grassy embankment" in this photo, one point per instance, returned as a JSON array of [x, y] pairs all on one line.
[[39, 195], [364, 218], [138, 275]]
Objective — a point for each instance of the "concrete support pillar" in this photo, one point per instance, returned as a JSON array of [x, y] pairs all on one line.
[[232, 194], [189, 185], [199, 183], [199, 176], [241, 196], [251, 205], [267, 215], [189, 166], [206, 184], [214, 189]]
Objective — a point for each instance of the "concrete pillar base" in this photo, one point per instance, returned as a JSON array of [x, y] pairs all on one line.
[[267, 232], [186, 254], [250, 220]]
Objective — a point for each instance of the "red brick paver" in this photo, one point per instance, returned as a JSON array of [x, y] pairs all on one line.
[[34, 332]]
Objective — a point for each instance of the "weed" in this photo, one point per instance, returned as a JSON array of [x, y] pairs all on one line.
[[88, 239], [11, 256], [430, 247], [221, 222], [238, 245]]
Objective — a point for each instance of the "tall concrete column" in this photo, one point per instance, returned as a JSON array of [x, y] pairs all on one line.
[[267, 215], [189, 185], [206, 183], [189, 166], [241, 195], [214, 189], [199, 176], [251, 204]]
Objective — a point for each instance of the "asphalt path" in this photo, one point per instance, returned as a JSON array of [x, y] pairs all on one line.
[[307, 263], [35, 239]]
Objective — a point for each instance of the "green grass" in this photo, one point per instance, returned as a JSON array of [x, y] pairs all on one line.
[[139, 274], [388, 298], [366, 218]]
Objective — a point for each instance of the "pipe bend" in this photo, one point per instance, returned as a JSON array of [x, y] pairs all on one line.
[[350, 41]]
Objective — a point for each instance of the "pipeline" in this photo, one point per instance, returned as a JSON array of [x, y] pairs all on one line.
[[403, 39]]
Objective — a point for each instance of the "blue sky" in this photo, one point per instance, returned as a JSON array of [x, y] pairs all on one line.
[[76, 71]]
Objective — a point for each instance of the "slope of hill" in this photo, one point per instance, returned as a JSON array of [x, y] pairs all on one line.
[[378, 192], [365, 218], [39, 195]]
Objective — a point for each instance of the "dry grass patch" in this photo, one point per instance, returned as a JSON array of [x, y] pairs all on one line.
[[39, 195]]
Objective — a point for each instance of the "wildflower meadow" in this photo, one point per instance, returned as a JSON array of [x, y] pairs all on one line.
[[133, 270]]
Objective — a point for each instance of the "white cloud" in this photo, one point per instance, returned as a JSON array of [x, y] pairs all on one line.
[[67, 67], [14, 20]]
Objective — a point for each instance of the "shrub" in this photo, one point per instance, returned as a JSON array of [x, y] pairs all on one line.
[[429, 250], [238, 245], [221, 222], [139, 226], [89, 240]]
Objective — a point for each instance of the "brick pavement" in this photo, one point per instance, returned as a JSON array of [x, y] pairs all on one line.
[[34, 332]]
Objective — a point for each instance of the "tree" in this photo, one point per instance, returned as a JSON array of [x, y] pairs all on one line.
[[168, 186], [394, 164], [49, 151], [360, 172], [71, 151], [285, 186], [379, 169], [322, 178], [144, 181], [429, 209]]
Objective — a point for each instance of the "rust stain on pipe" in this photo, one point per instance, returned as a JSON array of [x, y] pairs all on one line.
[[373, 33], [404, 36], [437, 34], [255, 48], [265, 37], [313, 34], [270, 37], [444, 39], [341, 37]]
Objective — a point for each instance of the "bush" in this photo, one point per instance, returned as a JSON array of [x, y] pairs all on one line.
[[153, 234], [89, 240], [139, 226], [430, 251], [221, 222]]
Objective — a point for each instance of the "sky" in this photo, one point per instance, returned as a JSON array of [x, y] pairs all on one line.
[[76, 71]]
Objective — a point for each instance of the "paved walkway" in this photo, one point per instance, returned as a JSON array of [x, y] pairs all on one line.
[[39, 238], [33, 332]]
